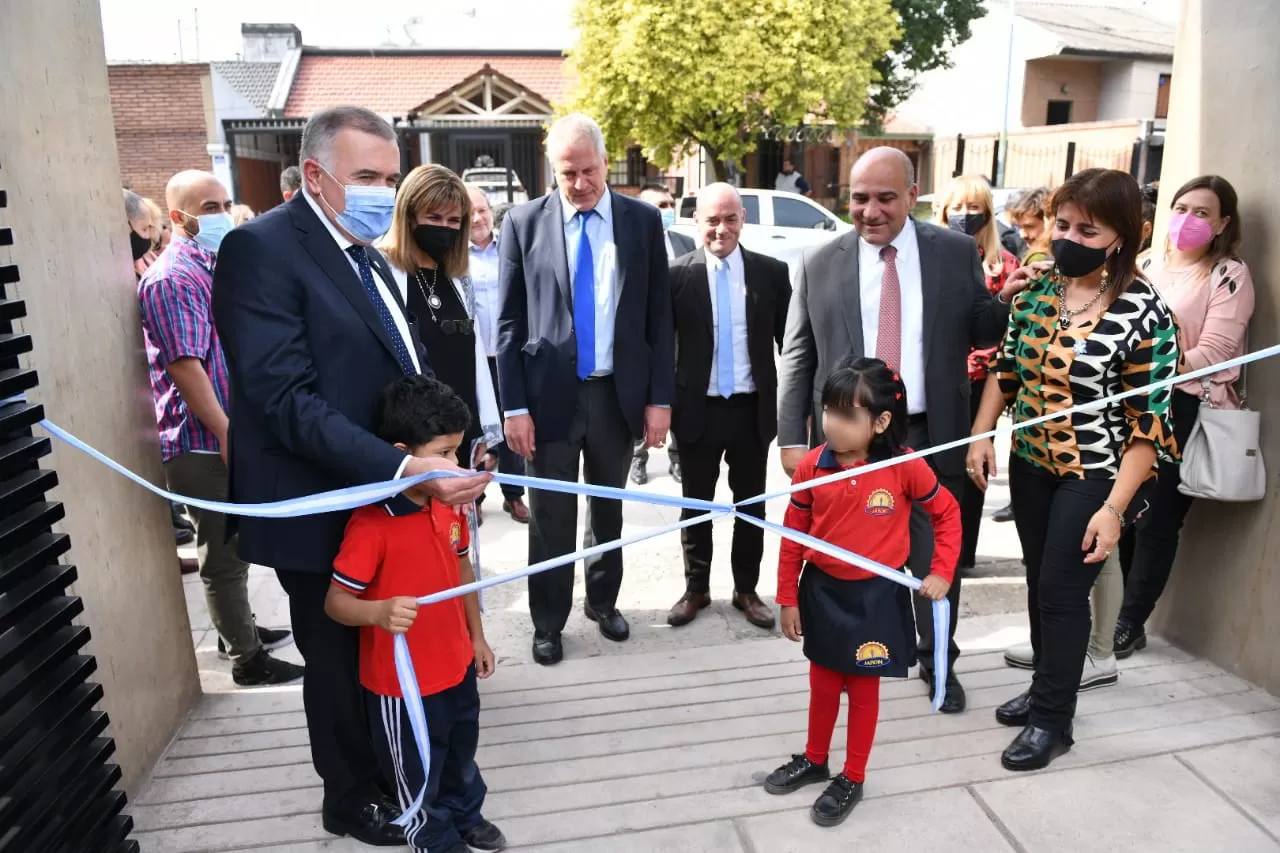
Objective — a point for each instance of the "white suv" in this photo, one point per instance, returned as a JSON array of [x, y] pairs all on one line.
[[779, 224]]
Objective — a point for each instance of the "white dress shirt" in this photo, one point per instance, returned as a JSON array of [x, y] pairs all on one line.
[[743, 382], [604, 256], [484, 284], [397, 314], [870, 278], [671, 250]]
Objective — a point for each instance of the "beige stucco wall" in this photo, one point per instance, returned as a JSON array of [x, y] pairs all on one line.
[[1224, 598], [58, 164], [1045, 79]]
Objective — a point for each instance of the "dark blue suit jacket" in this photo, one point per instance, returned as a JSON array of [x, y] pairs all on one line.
[[308, 358], [537, 350]]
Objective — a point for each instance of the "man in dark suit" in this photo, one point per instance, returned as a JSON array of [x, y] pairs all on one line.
[[730, 309], [314, 328], [585, 364], [677, 245], [913, 295]]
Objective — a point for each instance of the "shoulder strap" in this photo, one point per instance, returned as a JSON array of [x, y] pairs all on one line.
[[1242, 384]]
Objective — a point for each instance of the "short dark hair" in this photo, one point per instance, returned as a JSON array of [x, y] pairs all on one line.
[[871, 384], [291, 180], [1111, 197], [413, 410], [323, 126], [1226, 244], [656, 188]]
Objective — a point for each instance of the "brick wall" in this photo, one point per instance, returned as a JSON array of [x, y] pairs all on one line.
[[160, 118]]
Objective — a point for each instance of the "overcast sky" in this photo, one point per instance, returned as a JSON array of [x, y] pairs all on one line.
[[167, 31]]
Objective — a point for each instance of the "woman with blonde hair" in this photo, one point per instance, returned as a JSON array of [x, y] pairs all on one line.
[[241, 213], [969, 209], [428, 248]]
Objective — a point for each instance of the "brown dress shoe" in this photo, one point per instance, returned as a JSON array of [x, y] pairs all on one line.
[[686, 609], [757, 612], [517, 510]]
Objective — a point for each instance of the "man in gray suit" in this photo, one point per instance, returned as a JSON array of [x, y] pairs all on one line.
[[913, 295]]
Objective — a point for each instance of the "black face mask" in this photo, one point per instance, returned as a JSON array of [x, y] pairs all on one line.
[[435, 240], [1076, 260], [140, 245], [968, 223]]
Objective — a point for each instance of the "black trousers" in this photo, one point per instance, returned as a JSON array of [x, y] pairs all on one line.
[[332, 697], [921, 557], [455, 789], [601, 441], [509, 462], [1150, 546], [1053, 513], [731, 432], [971, 497]]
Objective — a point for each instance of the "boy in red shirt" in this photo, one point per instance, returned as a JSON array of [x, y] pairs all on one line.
[[393, 553]]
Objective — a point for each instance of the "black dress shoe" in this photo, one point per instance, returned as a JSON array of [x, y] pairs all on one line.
[[954, 700], [675, 472], [1129, 639], [1005, 513], [369, 823], [639, 473], [547, 649], [795, 774], [611, 622], [484, 836], [1016, 711], [1034, 748], [836, 802]]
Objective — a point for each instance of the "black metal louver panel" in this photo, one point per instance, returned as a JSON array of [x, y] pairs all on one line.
[[57, 783]]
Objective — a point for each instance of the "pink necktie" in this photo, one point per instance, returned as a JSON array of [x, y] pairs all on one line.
[[889, 333]]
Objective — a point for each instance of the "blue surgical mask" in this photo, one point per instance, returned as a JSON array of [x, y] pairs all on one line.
[[668, 217], [213, 227], [369, 210]]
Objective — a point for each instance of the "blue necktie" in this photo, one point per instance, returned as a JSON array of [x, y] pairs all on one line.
[[724, 332], [361, 257], [584, 299]]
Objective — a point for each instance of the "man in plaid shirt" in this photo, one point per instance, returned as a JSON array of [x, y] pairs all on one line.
[[189, 382]]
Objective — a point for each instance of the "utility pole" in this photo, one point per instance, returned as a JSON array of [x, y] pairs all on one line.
[[1008, 84]]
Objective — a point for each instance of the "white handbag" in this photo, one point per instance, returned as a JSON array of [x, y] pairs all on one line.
[[1222, 460]]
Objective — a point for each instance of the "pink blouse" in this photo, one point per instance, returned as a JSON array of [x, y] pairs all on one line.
[[1212, 309]]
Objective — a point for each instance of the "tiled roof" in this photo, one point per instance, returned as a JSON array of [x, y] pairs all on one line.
[[1099, 29], [253, 80], [391, 84]]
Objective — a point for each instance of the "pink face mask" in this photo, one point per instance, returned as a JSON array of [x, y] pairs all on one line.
[[1189, 232]]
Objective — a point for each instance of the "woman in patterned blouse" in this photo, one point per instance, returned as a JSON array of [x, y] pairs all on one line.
[[1091, 328], [969, 209]]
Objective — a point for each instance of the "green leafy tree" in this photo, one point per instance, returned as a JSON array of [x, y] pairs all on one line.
[[672, 76], [930, 30]]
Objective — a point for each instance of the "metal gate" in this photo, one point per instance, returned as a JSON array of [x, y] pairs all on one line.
[[520, 150]]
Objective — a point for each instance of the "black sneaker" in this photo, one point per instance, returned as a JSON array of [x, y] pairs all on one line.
[[795, 774], [1129, 639], [836, 802], [271, 639], [262, 669], [484, 836]]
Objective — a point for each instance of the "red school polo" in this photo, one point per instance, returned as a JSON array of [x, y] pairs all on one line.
[[399, 548], [868, 515]]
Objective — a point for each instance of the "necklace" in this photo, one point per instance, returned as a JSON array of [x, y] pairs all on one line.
[[1066, 314], [429, 291]]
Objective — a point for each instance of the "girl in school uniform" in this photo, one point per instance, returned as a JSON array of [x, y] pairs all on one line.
[[856, 626]]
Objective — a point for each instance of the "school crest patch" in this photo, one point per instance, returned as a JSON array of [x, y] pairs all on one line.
[[880, 503], [872, 654]]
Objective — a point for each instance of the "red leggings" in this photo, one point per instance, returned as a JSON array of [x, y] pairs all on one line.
[[825, 687]]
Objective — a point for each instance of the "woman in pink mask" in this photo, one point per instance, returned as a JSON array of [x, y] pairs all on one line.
[[1210, 292]]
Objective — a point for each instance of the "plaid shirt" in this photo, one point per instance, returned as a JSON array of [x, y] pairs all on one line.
[[174, 296]]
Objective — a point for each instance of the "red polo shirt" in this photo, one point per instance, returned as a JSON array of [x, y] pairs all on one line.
[[867, 515], [399, 548]]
